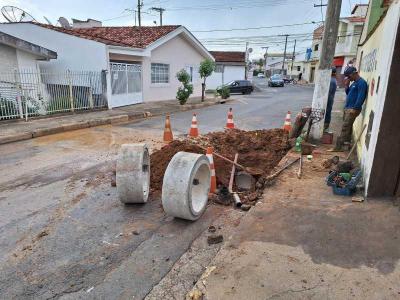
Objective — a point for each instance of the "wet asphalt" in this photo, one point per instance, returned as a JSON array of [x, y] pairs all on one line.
[[63, 232]]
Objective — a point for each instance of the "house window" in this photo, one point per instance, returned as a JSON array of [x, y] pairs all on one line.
[[219, 69], [298, 68], [316, 47], [159, 73], [189, 70]]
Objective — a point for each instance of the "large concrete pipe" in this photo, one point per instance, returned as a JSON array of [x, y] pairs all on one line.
[[133, 173], [186, 185]]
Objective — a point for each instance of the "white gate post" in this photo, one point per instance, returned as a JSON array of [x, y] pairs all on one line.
[[19, 93], [71, 98]]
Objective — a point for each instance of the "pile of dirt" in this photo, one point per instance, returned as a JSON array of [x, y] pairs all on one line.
[[160, 159], [261, 149]]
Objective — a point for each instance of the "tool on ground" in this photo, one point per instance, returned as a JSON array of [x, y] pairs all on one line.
[[287, 126], [356, 142], [168, 137], [230, 187], [281, 169], [229, 122], [209, 154], [317, 114], [299, 172], [194, 130]]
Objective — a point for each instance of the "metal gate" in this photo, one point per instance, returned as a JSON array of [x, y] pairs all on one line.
[[126, 83]]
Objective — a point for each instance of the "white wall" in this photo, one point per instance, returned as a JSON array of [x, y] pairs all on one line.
[[385, 32], [73, 53], [27, 61], [179, 54], [8, 59], [230, 73]]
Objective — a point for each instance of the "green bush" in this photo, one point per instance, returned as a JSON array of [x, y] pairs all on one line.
[[224, 92], [186, 90]]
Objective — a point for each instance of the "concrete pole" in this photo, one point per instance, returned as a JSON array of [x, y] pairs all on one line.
[[293, 56], [323, 73], [284, 55], [139, 7], [265, 59]]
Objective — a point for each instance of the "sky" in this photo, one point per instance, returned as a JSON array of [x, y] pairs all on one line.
[[218, 24]]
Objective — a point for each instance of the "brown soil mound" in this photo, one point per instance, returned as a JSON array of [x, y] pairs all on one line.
[[261, 149]]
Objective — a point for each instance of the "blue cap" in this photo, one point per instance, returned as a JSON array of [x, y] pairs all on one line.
[[349, 71]]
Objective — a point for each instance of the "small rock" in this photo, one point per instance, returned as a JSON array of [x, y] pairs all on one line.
[[212, 229], [135, 232], [215, 239], [245, 207], [167, 259]]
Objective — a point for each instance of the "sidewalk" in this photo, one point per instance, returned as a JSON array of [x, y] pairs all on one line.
[[19, 130], [301, 242]]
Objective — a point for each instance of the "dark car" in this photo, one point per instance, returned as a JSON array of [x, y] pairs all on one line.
[[276, 80], [239, 86]]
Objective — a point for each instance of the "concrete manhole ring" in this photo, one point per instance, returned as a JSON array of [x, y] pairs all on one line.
[[133, 173], [186, 185]]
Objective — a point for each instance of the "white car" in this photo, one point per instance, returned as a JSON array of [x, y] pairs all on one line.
[[261, 75]]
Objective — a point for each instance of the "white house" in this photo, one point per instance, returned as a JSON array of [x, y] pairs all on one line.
[[140, 62], [230, 65]]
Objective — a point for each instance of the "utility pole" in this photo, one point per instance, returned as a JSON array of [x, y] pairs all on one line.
[[294, 54], [323, 74], [139, 7], [246, 60], [265, 59], [160, 10], [284, 54]]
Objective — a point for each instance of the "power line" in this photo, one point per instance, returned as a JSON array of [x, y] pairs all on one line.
[[254, 28]]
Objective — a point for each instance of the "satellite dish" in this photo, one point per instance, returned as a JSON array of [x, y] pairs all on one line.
[[14, 14], [64, 23], [250, 50], [47, 20]]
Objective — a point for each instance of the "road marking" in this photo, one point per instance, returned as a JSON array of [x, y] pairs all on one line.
[[244, 102]]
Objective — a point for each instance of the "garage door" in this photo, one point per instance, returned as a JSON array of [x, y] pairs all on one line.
[[126, 84]]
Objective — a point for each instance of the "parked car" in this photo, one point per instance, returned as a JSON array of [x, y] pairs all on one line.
[[238, 86], [261, 75], [276, 80]]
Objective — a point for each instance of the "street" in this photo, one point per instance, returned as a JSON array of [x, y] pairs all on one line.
[[64, 233]]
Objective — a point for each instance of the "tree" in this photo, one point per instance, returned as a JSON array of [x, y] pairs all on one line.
[[207, 66], [260, 64], [187, 89]]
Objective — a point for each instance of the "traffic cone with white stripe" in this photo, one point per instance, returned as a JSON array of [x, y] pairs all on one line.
[[168, 137], [229, 122], [194, 131], [287, 126], [209, 154]]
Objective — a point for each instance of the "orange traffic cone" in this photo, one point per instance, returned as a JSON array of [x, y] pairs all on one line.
[[194, 131], [168, 137], [229, 122], [209, 155], [287, 126]]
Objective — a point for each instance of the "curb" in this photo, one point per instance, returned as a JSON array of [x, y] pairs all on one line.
[[97, 122]]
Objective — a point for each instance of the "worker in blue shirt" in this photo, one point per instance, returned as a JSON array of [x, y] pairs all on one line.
[[331, 97], [356, 95]]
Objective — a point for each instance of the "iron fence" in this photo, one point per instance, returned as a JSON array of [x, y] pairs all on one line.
[[26, 94]]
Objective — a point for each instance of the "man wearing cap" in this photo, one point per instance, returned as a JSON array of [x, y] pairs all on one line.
[[356, 95], [331, 97]]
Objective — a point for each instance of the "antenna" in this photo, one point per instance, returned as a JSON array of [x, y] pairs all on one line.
[[64, 23], [47, 20], [14, 14]]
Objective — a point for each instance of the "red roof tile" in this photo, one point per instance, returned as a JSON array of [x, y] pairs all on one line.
[[136, 37], [229, 56]]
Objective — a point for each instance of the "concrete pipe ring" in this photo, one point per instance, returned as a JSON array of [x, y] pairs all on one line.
[[133, 173], [186, 185]]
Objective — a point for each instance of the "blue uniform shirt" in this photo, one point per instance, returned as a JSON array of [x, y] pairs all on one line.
[[356, 94]]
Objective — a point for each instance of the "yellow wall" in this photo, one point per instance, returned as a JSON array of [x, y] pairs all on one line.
[[367, 60]]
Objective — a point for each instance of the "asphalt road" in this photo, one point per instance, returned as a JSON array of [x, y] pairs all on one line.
[[63, 232]]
